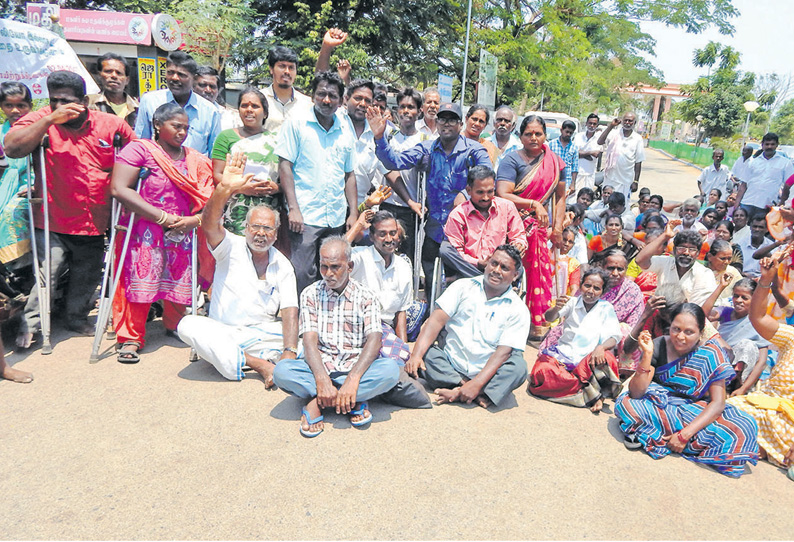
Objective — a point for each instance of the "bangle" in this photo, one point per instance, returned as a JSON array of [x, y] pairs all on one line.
[[361, 207], [163, 218], [199, 219], [633, 338], [762, 285], [680, 438], [642, 370]]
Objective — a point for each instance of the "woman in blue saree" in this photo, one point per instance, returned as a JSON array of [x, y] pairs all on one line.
[[15, 102], [676, 400]]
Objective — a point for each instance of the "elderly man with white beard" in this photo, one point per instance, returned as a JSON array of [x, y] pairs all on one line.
[[252, 282]]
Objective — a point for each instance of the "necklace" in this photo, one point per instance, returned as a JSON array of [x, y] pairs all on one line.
[[532, 161]]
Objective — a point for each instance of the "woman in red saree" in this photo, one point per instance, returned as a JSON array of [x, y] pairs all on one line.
[[167, 209], [531, 178]]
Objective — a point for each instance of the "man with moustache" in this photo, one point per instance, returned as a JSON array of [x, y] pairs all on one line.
[[447, 159], [253, 282], [207, 84], [432, 102], [283, 100], [203, 115], [503, 138], [486, 327], [340, 323], [715, 175], [79, 163], [589, 151], [317, 174], [697, 281], [740, 171], [625, 153], [476, 227], [114, 76]]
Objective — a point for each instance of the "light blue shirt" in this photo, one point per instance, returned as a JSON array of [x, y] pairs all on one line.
[[477, 326], [203, 115], [320, 160], [513, 144]]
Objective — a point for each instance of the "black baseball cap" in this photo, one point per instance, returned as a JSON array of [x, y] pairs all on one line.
[[450, 108]]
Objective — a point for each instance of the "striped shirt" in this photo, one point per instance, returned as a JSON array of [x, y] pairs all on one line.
[[342, 321], [569, 154]]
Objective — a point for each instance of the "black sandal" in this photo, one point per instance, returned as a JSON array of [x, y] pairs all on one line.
[[128, 356]]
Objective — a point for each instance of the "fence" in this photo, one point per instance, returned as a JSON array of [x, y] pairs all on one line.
[[699, 156]]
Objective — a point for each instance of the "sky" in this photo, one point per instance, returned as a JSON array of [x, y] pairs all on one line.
[[763, 36]]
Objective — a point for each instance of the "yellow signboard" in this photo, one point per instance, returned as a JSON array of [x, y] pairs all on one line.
[[161, 61], [147, 76]]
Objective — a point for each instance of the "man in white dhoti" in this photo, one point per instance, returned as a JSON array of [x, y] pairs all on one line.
[[624, 155], [252, 282]]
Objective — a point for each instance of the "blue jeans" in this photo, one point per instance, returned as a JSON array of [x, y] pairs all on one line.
[[296, 378]]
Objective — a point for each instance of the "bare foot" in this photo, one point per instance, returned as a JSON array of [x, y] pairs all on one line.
[[483, 401], [314, 413], [447, 396], [263, 367], [17, 376], [596, 408], [24, 340]]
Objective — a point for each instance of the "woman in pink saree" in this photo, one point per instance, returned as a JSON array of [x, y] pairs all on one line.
[[532, 179]]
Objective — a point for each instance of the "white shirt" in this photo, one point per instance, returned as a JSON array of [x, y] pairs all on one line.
[[369, 170], [477, 326], [277, 112], [239, 296], [697, 226], [741, 236], [579, 338], [588, 167], [741, 168], [513, 144], [401, 142], [579, 250], [711, 178], [697, 283], [422, 127], [393, 285], [765, 178], [621, 155], [751, 266]]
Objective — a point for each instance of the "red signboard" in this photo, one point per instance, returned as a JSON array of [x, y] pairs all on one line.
[[106, 26]]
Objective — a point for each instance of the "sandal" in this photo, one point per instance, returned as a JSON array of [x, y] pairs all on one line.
[[305, 432], [128, 356], [360, 412]]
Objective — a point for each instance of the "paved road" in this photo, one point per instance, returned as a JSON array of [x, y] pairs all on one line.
[[167, 449]]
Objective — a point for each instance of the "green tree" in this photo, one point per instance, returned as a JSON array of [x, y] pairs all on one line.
[[783, 122]]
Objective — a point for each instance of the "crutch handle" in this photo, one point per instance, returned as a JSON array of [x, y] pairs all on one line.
[[120, 227], [117, 141], [36, 201], [45, 141]]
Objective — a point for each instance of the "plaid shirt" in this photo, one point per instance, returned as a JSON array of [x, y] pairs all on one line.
[[342, 322], [569, 155]]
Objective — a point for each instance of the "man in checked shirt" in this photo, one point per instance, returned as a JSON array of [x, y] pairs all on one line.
[[341, 330]]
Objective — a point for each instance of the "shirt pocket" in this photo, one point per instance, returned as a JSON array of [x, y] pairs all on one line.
[[271, 298], [489, 329]]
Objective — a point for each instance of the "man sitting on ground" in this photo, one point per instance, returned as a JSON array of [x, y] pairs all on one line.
[[341, 328], [751, 267], [696, 280], [475, 228], [253, 281], [486, 327]]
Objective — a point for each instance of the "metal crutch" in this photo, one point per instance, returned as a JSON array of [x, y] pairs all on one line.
[[31, 202], [43, 284], [115, 209], [194, 291], [419, 231], [112, 276]]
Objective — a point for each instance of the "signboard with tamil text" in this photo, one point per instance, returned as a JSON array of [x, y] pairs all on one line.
[[147, 75], [486, 90], [445, 87]]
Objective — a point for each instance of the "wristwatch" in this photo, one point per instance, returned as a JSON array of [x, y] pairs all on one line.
[[290, 349]]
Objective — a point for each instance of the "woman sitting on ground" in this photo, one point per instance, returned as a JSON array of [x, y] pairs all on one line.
[[724, 230], [718, 259], [676, 400], [576, 368], [749, 348], [167, 209], [611, 237], [773, 406]]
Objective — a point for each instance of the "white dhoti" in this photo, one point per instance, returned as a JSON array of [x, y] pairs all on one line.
[[582, 180], [225, 346]]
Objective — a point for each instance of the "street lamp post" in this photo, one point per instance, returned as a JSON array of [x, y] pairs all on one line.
[[749, 106]]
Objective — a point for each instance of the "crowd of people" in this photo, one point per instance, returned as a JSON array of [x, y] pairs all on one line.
[[305, 221]]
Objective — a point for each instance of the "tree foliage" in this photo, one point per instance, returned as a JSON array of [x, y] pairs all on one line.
[[783, 122]]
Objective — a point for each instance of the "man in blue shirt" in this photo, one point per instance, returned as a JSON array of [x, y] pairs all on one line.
[[204, 117], [447, 161], [316, 169], [564, 147]]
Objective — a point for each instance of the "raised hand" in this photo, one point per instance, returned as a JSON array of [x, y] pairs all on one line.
[[334, 37], [377, 122], [561, 301], [672, 224], [381, 194], [645, 342], [343, 68]]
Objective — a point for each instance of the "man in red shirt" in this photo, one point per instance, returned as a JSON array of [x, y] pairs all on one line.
[[79, 162], [477, 227]]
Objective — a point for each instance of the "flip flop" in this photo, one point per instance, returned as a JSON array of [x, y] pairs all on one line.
[[127, 356], [310, 421], [790, 473], [360, 412]]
